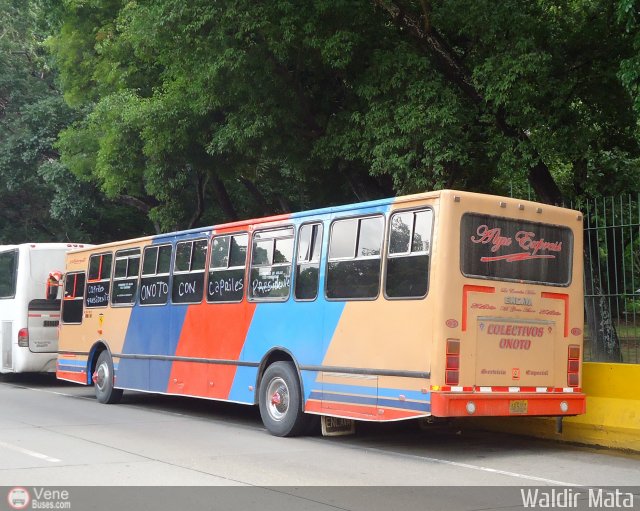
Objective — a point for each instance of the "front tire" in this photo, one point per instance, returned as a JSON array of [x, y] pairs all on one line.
[[103, 380], [281, 401]]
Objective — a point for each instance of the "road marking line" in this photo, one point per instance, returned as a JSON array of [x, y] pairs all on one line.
[[33, 454], [477, 467]]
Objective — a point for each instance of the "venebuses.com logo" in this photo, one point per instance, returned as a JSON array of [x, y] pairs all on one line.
[[38, 498], [18, 498]]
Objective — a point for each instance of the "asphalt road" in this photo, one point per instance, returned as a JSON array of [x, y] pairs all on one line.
[[56, 434]]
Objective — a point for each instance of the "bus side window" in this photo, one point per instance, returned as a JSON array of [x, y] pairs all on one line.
[[98, 280], [308, 263], [188, 271], [407, 274], [355, 248], [271, 264], [125, 277], [8, 273], [154, 282], [72, 302], [226, 269]]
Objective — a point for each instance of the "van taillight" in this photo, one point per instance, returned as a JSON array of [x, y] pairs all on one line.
[[23, 338], [573, 366], [452, 368]]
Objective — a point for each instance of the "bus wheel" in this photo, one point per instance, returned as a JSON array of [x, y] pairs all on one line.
[[281, 401], [103, 380]]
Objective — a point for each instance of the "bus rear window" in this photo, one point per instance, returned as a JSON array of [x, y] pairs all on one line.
[[515, 250], [8, 273]]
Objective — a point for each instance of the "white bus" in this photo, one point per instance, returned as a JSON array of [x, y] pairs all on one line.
[[28, 321]]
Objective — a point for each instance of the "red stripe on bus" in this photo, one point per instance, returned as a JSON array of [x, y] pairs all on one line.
[[352, 411], [466, 289], [72, 376], [565, 298]]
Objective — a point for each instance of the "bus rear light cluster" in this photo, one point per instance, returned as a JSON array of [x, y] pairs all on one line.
[[573, 366], [452, 369], [23, 338]]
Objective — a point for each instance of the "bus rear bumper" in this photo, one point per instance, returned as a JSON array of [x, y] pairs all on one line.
[[502, 404]]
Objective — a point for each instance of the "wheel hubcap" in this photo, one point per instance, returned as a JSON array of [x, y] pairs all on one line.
[[101, 376], [278, 399]]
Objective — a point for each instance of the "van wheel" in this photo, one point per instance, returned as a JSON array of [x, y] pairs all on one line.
[[103, 380], [281, 401]]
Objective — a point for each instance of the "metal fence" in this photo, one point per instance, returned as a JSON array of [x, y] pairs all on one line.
[[612, 277]]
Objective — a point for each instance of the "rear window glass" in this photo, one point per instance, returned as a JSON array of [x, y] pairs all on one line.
[[515, 250]]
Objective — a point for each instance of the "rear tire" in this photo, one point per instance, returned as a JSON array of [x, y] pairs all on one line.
[[103, 380], [281, 401]]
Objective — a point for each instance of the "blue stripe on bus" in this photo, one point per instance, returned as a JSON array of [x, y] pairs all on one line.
[[371, 401], [71, 362], [72, 368], [384, 392], [152, 330], [295, 327]]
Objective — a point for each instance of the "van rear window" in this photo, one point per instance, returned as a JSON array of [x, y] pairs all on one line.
[[515, 250]]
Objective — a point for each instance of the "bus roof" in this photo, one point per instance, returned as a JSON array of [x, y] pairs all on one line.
[[45, 246], [320, 212]]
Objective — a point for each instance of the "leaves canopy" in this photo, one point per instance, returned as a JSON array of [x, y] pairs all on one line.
[[198, 111], [39, 199]]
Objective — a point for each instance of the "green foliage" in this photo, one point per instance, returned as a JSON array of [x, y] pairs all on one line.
[[39, 199], [199, 111]]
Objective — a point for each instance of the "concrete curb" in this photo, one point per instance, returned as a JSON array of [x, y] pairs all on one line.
[[612, 418]]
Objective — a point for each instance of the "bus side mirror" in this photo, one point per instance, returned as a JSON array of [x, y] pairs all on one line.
[[53, 283]]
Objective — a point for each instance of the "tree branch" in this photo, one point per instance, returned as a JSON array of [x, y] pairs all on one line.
[[432, 43], [201, 185]]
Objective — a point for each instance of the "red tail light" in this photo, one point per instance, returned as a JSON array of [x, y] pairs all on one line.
[[23, 338], [452, 369], [573, 366]]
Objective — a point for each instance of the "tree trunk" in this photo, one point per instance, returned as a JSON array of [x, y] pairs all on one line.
[[605, 344], [257, 196], [141, 205], [201, 185], [224, 201]]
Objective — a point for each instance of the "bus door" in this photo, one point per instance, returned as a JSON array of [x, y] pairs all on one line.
[[150, 328], [357, 342], [185, 334]]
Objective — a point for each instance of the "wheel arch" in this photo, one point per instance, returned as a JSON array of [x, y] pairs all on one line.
[[97, 348], [277, 354]]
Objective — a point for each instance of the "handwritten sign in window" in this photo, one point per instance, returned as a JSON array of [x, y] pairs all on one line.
[[154, 290], [225, 285], [97, 294]]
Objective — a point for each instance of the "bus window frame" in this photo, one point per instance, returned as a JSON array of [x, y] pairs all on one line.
[[16, 253], [75, 297], [115, 279], [97, 281], [296, 263], [250, 297], [173, 271], [208, 268], [382, 255], [414, 209], [168, 274]]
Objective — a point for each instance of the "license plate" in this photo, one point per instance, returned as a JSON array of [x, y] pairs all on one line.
[[519, 406], [337, 426]]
